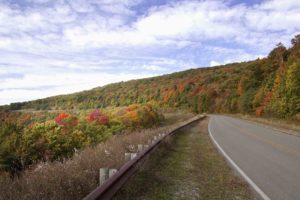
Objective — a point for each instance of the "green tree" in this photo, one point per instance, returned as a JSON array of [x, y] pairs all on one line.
[[293, 88], [195, 104], [204, 103], [10, 148]]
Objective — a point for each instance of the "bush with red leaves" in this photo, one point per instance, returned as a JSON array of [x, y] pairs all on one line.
[[66, 120], [98, 117]]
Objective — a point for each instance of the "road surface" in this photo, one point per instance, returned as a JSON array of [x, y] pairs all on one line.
[[268, 159]]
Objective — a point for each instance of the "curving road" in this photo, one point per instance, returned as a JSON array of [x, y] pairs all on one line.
[[268, 159]]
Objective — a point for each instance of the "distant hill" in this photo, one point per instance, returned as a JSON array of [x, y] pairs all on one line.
[[269, 86]]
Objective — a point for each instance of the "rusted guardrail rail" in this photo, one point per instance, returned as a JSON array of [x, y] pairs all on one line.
[[114, 183]]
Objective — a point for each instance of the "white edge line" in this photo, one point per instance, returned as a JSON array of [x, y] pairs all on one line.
[[242, 173]]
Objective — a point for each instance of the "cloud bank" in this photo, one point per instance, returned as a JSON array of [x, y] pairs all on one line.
[[57, 47]]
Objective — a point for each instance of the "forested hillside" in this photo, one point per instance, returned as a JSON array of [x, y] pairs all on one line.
[[266, 87]]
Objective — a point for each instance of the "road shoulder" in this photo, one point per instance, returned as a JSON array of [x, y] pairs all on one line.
[[188, 166], [282, 126]]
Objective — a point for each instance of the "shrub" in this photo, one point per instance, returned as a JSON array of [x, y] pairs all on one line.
[[98, 117], [66, 120]]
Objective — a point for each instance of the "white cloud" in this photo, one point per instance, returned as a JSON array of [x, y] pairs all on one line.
[[53, 41], [34, 86], [82, 37], [38, 1], [153, 68], [185, 19], [214, 63], [279, 5], [175, 24]]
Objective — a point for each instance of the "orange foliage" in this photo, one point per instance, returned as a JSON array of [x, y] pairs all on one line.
[[267, 98], [60, 118], [133, 115], [240, 88], [168, 95], [279, 76], [260, 110], [65, 119], [132, 107]]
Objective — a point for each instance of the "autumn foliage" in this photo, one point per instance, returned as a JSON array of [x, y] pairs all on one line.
[[265, 87], [98, 117], [30, 137], [66, 120]]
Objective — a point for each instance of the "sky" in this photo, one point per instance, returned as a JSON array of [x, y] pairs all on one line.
[[52, 47]]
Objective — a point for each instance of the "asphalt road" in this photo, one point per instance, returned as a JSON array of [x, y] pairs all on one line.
[[268, 159]]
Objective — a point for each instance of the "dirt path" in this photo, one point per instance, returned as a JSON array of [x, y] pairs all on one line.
[[186, 167]]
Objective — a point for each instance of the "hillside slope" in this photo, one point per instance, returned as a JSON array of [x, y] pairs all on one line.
[[269, 86]]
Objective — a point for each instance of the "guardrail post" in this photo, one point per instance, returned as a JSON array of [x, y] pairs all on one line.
[[154, 139], [131, 147], [112, 172], [133, 155], [146, 146], [140, 147], [103, 175], [127, 156], [130, 156]]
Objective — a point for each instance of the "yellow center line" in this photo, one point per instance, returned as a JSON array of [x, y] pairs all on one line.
[[276, 145]]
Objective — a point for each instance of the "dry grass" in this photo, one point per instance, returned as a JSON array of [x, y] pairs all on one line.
[[76, 177], [171, 117], [188, 167]]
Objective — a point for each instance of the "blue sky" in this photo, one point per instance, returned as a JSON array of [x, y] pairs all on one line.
[[57, 47]]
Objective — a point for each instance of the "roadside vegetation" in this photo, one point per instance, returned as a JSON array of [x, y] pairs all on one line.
[[76, 176], [28, 138]]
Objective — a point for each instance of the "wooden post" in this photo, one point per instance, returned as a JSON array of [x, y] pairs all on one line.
[[103, 175]]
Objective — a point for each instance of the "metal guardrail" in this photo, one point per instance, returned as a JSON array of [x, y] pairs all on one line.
[[114, 183]]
